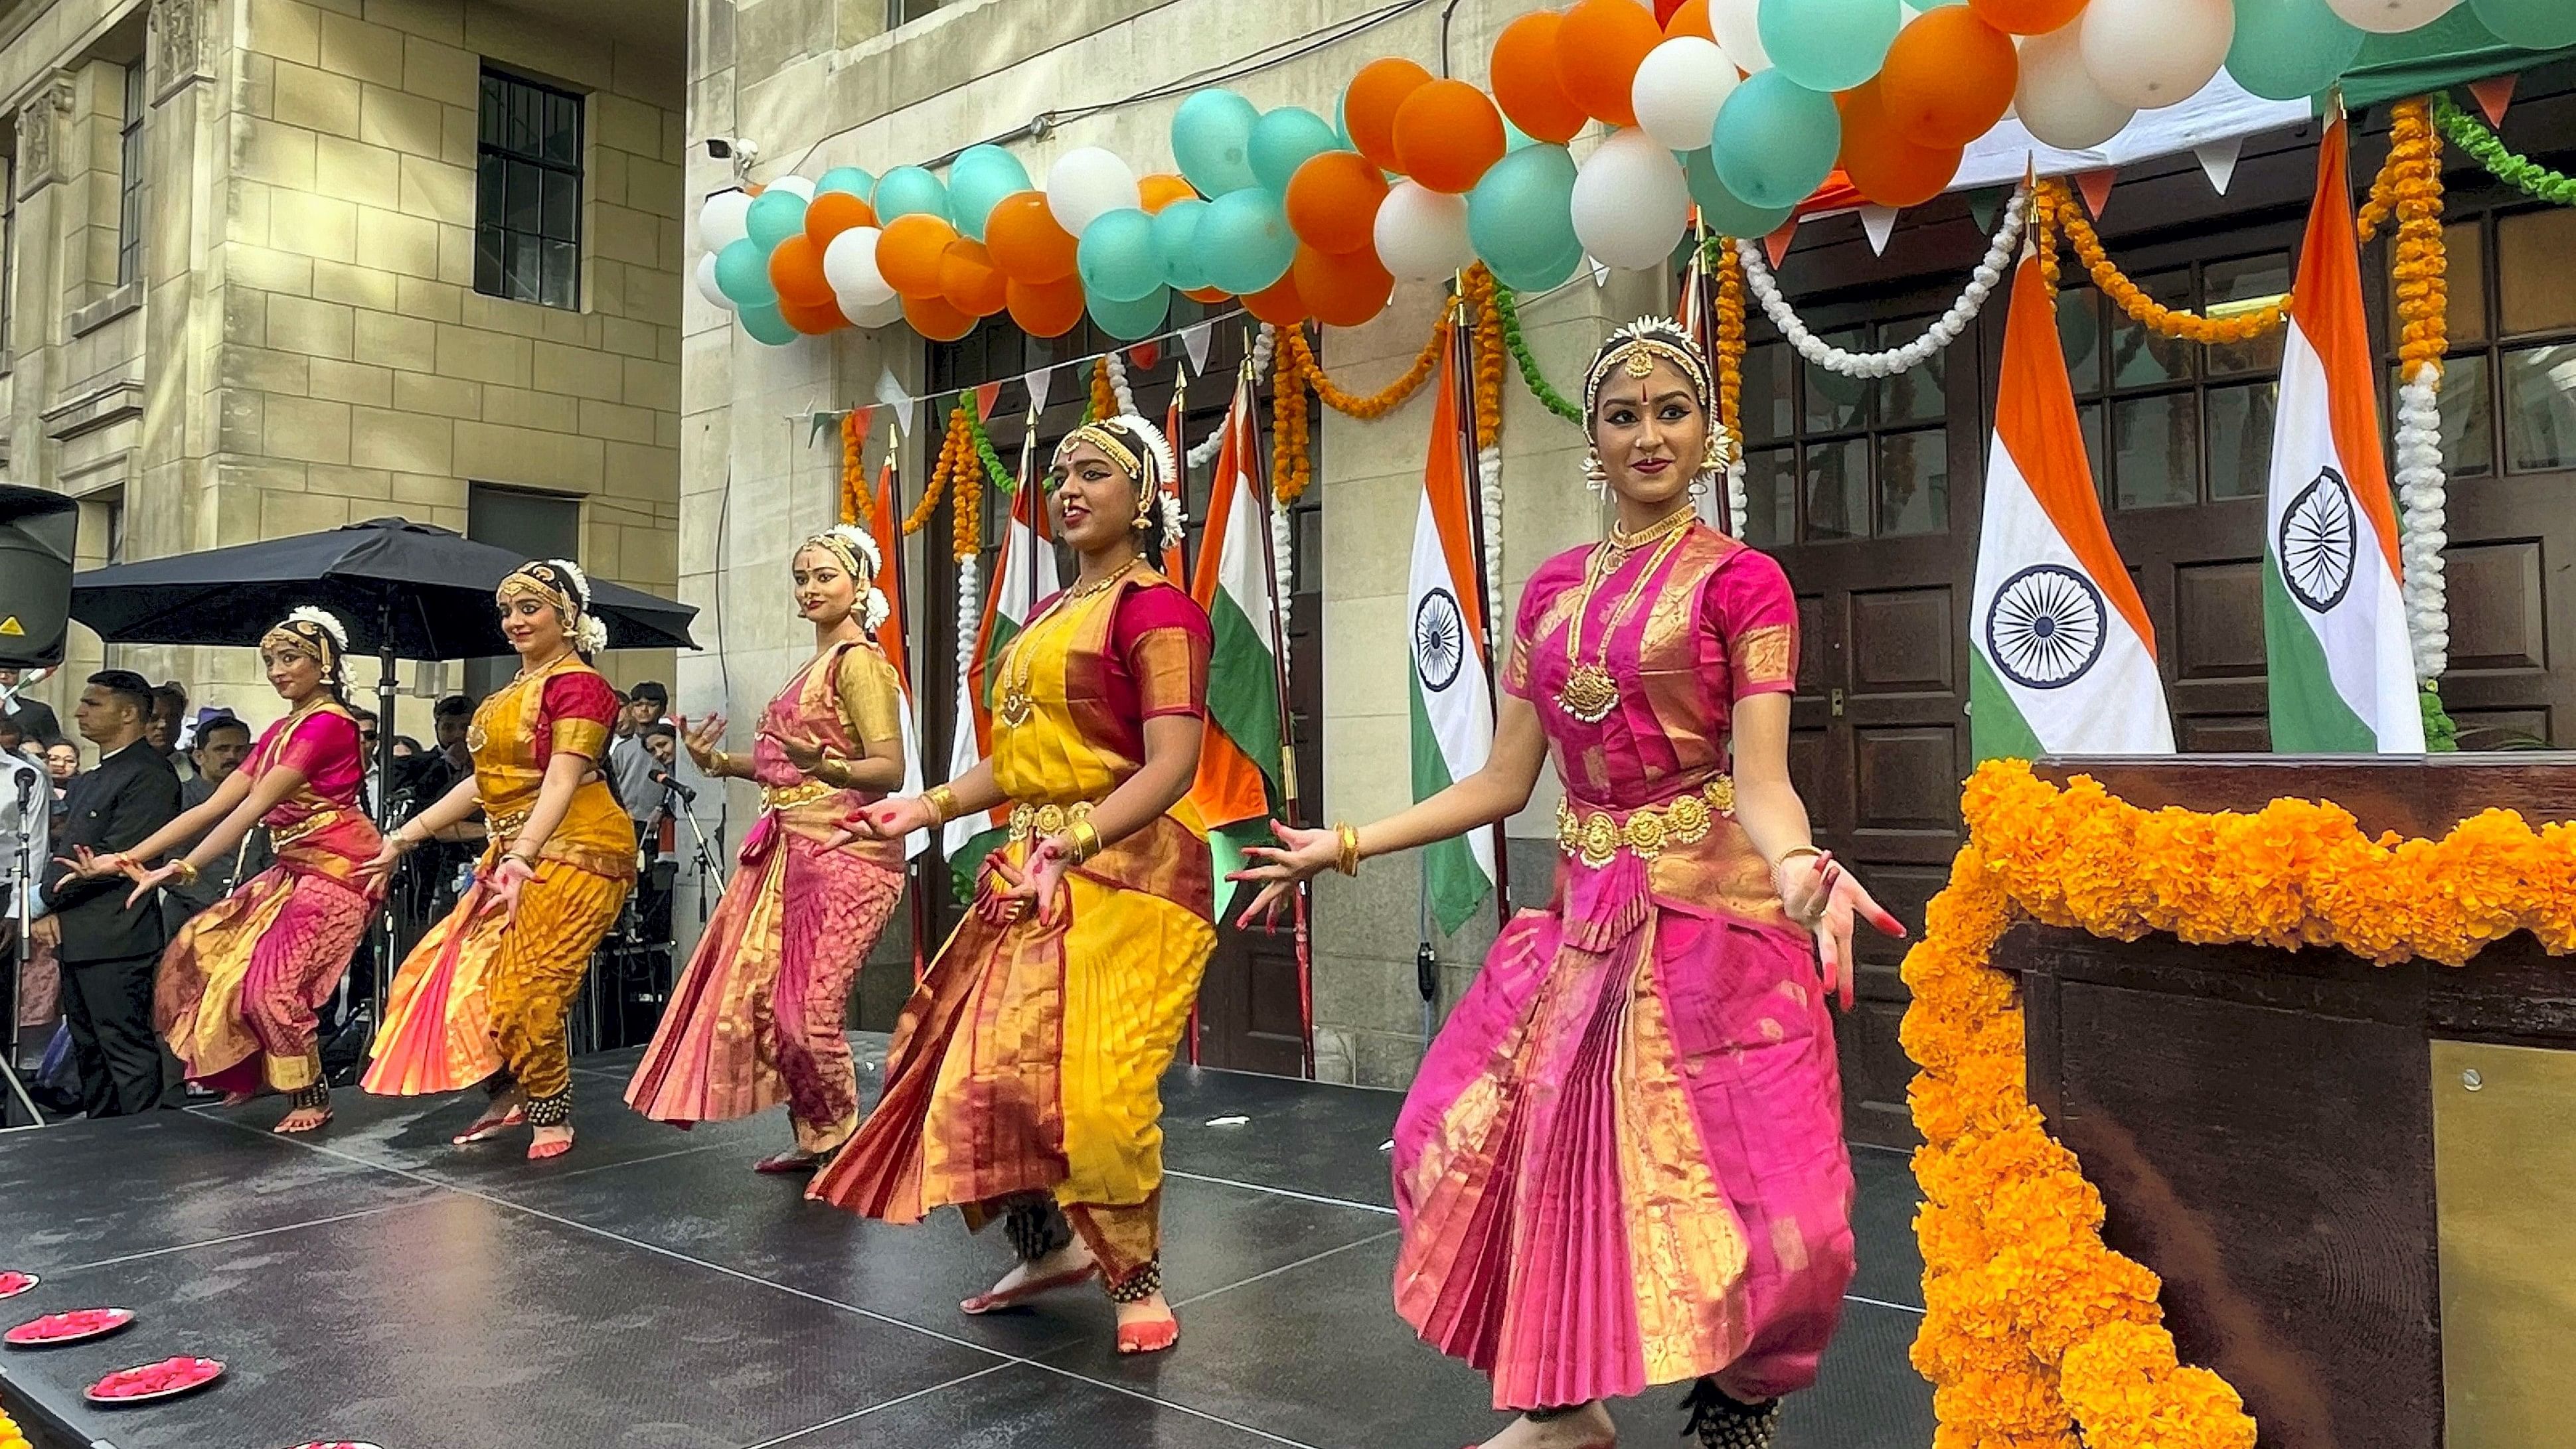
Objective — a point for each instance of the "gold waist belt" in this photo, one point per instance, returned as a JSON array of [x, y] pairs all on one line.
[[1042, 820], [788, 797], [500, 825], [1596, 837], [286, 835]]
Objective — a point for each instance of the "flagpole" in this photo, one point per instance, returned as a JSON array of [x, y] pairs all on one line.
[[1462, 388], [918, 904], [1302, 899], [1175, 561]]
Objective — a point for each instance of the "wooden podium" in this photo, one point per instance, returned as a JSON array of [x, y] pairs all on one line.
[[2358, 1182]]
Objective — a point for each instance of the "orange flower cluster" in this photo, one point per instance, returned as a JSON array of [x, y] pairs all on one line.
[[1369, 408], [966, 513], [2063, 216], [2035, 1333], [1730, 346], [11, 1436], [1477, 287], [919, 518], [854, 476], [1292, 460], [1104, 393], [2409, 187]]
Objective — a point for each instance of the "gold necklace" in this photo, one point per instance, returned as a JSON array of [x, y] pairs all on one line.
[[1021, 664], [1590, 692], [527, 673]]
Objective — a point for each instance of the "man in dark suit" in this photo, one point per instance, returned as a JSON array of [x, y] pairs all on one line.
[[108, 952]]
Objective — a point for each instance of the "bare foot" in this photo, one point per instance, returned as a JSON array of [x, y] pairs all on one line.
[[1586, 1428], [1063, 1268], [504, 1111], [548, 1142], [237, 1099], [1147, 1325], [303, 1119], [793, 1160]]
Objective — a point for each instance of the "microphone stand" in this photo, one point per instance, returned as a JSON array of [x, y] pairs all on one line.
[[22, 911], [700, 850]]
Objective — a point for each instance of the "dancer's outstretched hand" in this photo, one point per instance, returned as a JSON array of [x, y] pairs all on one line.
[[149, 881], [388, 855], [701, 740], [1300, 856], [84, 864], [1824, 897], [1039, 884], [885, 820], [802, 751]]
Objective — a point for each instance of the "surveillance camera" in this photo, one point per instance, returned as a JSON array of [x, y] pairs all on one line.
[[719, 148]]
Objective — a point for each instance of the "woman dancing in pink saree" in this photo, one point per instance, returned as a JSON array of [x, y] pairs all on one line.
[[758, 1016], [1622, 1163]]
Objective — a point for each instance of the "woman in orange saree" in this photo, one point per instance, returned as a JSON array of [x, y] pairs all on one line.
[[237, 990], [758, 1016], [483, 997], [1024, 1078]]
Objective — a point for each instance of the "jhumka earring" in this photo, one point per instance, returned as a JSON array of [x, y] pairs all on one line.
[[1595, 476]]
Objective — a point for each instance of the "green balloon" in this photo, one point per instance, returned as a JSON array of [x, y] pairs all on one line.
[[765, 324], [774, 217], [910, 191], [1116, 257], [742, 273], [1520, 217], [1829, 45], [2289, 50], [980, 177], [2531, 24], [1244, 243], [1284, 140], [1176, 244], [1133, 321], [1212, 140], [1545, 273], [1724, 211], [856, 180], [1776, 140]]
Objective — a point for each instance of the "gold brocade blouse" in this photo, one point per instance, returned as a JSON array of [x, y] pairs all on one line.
[[516, 733]]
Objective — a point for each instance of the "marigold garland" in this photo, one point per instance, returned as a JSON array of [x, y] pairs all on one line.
[[854, 481], [1531, 378], [2033, 1330], [1477, 286], [1104, 393], [919, 518], [957, 459], [2067, 219], [2409, 187], [1292, 463], [2518, 171], [11, 1436], [1730, 346], [1372, 406]]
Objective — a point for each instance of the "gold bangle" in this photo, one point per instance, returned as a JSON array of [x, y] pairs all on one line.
[[1348, 859], [1793, 852], [186, 873], [1084, 841], [719, 763], [943, 804]]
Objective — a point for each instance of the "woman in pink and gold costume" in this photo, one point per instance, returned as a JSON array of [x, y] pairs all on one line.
[[1622, 1163], [758, 1017]]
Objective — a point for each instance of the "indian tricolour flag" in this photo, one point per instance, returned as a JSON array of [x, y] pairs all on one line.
[[2064, 657], [1239, 758], [2334, 624], [1024, 574], [1453, 714], [885, 525]]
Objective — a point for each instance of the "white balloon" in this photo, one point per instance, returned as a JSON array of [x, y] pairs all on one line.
[[2057, 98], [1631, 202], [850, 265], [863, 313], [1422, 234], [707, 287], [2149, 54], [2390, 17], [1739, 33], [1088, 183], [1678, 90], [796, 185], [723, 220]]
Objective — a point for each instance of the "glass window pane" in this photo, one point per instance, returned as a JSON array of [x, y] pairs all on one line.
[[2155, 450], [2468, 416], [562, 275], [1770, 409], [1914, 483], [524, 188], [496, 108], [2538, 286], [488, 184], [2079, 331], [527, 118], [2240, 439], [2089, 418], [563, 205], [2244, 279], [1838, 489], [1920, 396], [563, 130], [1770, 498], [487, 260], [1835, 402], [522, 262], [2540, 409], [2139, 357]]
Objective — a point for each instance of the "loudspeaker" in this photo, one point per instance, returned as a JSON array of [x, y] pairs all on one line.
[[36, 531]]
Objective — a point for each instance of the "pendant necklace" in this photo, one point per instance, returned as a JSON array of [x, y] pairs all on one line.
[[1590, 692], [1021, 663]]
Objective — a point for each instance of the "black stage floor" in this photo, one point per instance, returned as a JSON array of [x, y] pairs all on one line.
[[649, 1292]]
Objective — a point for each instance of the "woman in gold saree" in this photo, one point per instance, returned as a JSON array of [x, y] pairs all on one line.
[[1023, 1083], [483, 997]]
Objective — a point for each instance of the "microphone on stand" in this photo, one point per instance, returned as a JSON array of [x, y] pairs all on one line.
[[663, 779]]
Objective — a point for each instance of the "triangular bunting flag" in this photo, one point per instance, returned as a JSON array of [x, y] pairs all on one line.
[[1878, 223], [891, 393], [1985, 204], [2096, 186], [820, 422], [2218, 161], [2493, 95], [1146, 354], [986, 394], [1194, 342], [1600, 273], [1038, 381], [1776, 245]]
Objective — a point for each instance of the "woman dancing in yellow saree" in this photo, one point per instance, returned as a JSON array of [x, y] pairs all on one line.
[[482, 998], [1024, 1078]]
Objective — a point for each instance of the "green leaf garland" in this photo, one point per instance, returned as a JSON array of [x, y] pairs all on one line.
[[1549, 397], [2521, 172]]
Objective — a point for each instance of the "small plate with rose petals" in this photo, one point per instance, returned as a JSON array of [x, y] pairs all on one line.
[[13, 1284], [78, 1326], [144, 1383], [336, 1444]]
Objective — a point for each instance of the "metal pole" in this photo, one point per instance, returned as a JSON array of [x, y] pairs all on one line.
[[383, 802], [1462, 389], [1288, 803]]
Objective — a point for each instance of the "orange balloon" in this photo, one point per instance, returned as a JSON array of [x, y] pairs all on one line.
[[2027, 17], [831, 213], [1448, 135], [1278, 304], [909, 250], [1949, 77], [1209, 295], [1369, 106], [1690, 19], [1046, 309], [933, 318], [1162, 191], [812, 319], [796, 270], [968, 280], [1882, 162], [1599, 46], [1333, 201], [1025, 241], [1341, 291], [1525, 83]]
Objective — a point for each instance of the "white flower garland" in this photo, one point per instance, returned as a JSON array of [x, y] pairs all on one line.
[[1263, 343], [968, 607], [1489, 486], [1118, 384], [1283, 554], [2421, 496], [1944, 330]]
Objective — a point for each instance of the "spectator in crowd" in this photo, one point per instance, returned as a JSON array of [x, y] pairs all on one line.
[[108, 952], [34, 717], [166, 729], [26, 810], [62, 762], [406, 748], [223, 743], [662, 742], [368, 735], [15, 745], [630, 764]]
